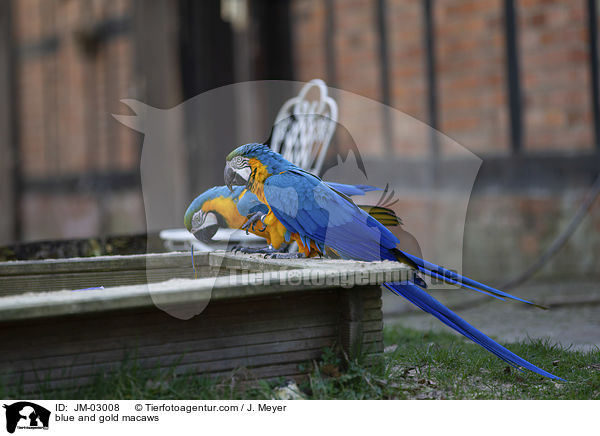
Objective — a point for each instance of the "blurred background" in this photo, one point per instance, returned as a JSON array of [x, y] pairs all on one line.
[[513, 81]]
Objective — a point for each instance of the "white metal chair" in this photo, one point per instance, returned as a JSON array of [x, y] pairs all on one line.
[[305, 125]]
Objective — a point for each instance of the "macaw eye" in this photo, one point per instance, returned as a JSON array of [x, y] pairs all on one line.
[[237, 162], [198, 219]]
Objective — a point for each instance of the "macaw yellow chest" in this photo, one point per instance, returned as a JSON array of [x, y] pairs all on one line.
[[257, 179], [275, 228]]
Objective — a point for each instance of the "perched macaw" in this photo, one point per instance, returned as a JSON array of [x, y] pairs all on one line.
[[222, 207], [214, 208], [303, 208]]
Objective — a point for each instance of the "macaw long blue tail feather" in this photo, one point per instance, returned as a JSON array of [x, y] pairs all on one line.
[[428, 267], [428, 304], [446, 279]]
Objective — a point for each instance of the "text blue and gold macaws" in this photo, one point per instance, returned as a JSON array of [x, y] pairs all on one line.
[[303, 208]]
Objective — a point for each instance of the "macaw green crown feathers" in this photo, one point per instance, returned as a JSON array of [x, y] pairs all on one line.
[[274, 162], [248, 150]]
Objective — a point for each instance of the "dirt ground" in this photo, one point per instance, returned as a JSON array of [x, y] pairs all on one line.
[[573, 318]]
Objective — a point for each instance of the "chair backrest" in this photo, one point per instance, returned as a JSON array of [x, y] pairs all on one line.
[[304, 127]]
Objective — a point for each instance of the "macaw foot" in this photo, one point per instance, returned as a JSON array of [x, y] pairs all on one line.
[[252, 219], [296, 255], [267, 249]]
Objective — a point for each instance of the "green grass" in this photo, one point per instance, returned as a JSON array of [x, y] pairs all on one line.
[[455, 368], [415, 365]]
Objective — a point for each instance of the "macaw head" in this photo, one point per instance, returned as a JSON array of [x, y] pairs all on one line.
[[204, 225], [252, 160], [210, 210]]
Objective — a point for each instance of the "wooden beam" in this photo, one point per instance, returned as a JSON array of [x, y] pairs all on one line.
[[164, 166], [432, 91], [127, 280], [513, 75], [330, 58], [154, 30], [592, 11], [9, 182], [384, 74]]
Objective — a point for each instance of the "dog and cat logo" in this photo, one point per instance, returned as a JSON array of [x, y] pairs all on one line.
[[26, 415]]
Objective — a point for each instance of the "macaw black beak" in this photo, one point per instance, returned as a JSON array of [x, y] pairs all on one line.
[[233, 178], [229, 176], [204, 226], [205, 234]]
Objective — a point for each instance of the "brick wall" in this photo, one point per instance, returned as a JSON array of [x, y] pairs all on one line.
[[470, 66], [556, 82], [506, 228], [407, 57], [308, 18], [471, 70], [67, 90], [67, 93]]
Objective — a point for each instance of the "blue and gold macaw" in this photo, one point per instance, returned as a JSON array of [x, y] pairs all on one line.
[[301, 207], [214, 208], [222, 207]]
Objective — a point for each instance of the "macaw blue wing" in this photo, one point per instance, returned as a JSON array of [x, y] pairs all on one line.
[[351, 190], [250, 204], [307, 206]]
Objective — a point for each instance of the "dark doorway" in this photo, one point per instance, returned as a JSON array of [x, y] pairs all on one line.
[[211, 56]]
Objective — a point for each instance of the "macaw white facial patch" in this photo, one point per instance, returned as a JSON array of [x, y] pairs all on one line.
[[244, 173], [209, 220]]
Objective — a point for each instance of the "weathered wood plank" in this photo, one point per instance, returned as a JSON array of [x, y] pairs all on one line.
[[173, 350], [268, 370], [284, 365], [267, 322], [234, 314], [14, 285], [101, 263], [183, 292], [162, 346], [244, 377], [375, 336], [59, 338], [200, 362], [372, 326]]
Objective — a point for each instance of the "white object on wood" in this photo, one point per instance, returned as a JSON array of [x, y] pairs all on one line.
[[181, 239]]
